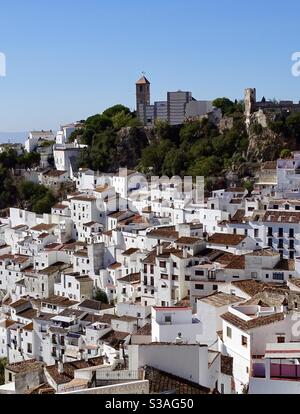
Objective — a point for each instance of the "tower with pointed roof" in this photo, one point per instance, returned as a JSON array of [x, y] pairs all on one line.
[[142, 98]]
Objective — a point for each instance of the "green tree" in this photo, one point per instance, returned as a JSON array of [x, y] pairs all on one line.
[[101, 296], [293, 124], [285, 153], [98, 123], [3, 363], [191, 132], [206, 167], [116, 109], [225, 104]]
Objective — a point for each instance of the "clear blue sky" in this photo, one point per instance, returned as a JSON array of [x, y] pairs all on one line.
[[69, 59]]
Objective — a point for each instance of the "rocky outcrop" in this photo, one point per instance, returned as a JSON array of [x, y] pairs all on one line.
[[265, 145]]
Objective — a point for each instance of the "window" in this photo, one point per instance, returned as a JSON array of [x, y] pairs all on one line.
[[145, 268], [278, 276], [175, 278], [215, 287], [280, 232], [229, 332], [162, 265], [199, 273], [256, 233], [187, 278], [168, 319], [174, 264], [281, 339], [199, 287], [244, 341]]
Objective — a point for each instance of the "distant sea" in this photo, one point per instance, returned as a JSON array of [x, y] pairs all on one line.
[[13, 137]]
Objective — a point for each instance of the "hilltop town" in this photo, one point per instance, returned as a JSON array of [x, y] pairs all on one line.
[[119, 282]]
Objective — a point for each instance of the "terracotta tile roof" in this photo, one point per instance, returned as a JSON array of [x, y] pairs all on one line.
[[145, 330], [250, 287], [42, 390], [226, 239], [55, 173], [188, 240], [221, 299], [107, 318], [94, 305], [7, 323], [285, 264], [24, 366], [253, 323], [28, 314], [292, 217], [269, 298], [294, 281], [115, 266], [59, 266], [84, 198], [114, 339], [81, 253], [263, 253], [167, 233], [43, 227], [151, 257], [28, 327], [70, 368], [59, 301], [143, 81], [130, 252], [60, 206], [238, 262], [162, 382], [102, 189], [132, 278], [19, 303], [239, 217]]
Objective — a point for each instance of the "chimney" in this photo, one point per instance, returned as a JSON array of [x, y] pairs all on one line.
[[60, 368], [158, 249], [185, 253], [179, 339]]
